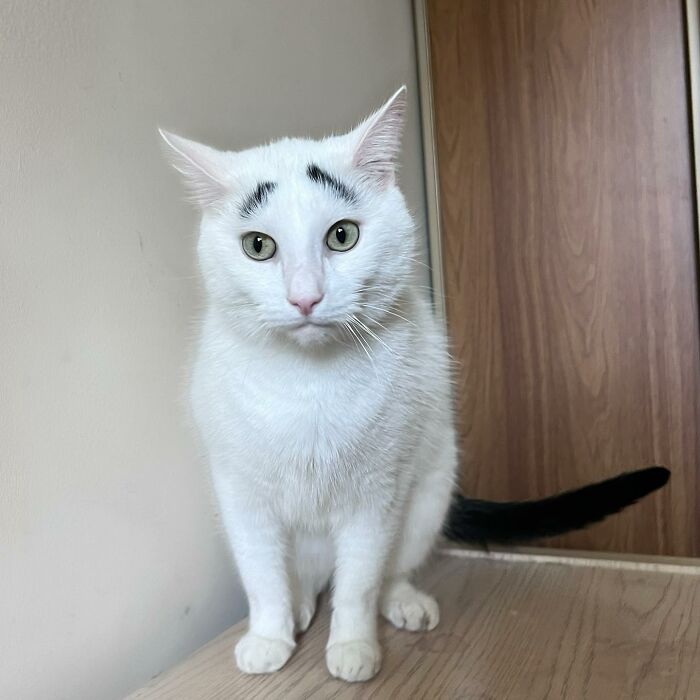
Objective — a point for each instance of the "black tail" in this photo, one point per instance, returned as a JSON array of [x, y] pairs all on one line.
[[485, 522]]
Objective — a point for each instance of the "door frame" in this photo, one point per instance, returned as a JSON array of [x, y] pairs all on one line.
[[692, 32], [430, 169]]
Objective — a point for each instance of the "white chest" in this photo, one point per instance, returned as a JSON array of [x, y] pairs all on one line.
[[311, 439]]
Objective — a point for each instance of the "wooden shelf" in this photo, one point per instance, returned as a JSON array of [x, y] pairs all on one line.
[[521, 626]]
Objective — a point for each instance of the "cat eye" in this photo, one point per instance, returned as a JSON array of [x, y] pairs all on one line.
[[342, 236], [258, 246]]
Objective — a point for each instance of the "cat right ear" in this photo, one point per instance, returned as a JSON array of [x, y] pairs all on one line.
[[202, 168], [379, 140]]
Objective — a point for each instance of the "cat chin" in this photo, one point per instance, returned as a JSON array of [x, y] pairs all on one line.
[[311, 335]]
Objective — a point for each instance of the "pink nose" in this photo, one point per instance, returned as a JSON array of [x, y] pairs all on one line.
[[305, 304]]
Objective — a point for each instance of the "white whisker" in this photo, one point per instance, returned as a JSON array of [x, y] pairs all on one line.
[[373, 334], [385, 310], [356, 337]]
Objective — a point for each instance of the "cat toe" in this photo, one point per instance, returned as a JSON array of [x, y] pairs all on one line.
[[260, 655], [354, 661], [411, 609]]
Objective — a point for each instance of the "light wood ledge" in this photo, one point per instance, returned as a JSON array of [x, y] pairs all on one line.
[[525, 626]]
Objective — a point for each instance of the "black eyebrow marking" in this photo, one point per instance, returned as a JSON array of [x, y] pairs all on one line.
[[340, 188], [257, 198]]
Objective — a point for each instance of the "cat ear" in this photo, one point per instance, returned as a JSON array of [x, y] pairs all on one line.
[[379, 144], [202, 168]]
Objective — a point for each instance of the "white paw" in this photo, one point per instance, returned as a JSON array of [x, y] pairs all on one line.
[[411, 609], [354, 661], [303, 615], [260, 655]]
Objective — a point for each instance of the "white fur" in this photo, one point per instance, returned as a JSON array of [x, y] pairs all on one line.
[[331, 443]]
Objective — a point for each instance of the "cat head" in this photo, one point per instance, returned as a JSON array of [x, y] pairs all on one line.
[[304, 240]]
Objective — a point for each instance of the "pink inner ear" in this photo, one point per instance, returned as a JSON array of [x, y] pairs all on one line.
[[380, 143]]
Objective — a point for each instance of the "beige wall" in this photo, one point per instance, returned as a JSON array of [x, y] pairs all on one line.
[[111, 568]]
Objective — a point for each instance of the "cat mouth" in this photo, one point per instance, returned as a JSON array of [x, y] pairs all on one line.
[[310, 322], [311, 332]]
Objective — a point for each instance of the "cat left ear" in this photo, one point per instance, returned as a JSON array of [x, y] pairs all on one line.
[[377, 151], [203, 168]]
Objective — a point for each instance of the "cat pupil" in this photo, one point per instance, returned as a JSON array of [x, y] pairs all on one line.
[[257, 244], [340, 234]]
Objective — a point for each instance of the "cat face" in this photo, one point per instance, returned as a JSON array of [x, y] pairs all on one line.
[[308, 241]]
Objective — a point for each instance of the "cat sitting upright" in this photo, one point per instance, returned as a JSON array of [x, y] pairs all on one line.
[[322, 392]]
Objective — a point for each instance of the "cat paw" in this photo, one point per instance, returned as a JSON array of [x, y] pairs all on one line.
[[354, 661], [408, 608], [303, 615], [260, 655]]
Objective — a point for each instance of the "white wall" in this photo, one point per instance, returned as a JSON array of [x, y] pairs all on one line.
[[111, 568]]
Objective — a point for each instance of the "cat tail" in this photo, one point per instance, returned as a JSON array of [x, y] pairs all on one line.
[[517, 522]]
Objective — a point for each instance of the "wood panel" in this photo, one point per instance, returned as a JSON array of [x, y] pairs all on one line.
[[511, 630], [562, 137]]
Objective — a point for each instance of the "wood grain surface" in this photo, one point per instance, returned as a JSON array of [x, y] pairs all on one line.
[[569, 252], [519, 630]]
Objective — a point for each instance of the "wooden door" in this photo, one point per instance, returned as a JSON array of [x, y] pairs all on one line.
[[569, 253]]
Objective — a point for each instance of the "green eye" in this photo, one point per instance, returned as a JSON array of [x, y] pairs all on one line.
[[258, 246], [342, 236]]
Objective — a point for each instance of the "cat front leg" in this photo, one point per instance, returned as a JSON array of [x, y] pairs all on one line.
[[401, 602], [362, 546], [260, 549]]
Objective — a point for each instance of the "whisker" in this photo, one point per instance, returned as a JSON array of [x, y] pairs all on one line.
[[357, 338], [366, 346], [385, 310], [373, 334], [420, 262], [381, 325]]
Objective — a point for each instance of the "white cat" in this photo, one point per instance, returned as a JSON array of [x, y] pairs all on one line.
[[322, 388]]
